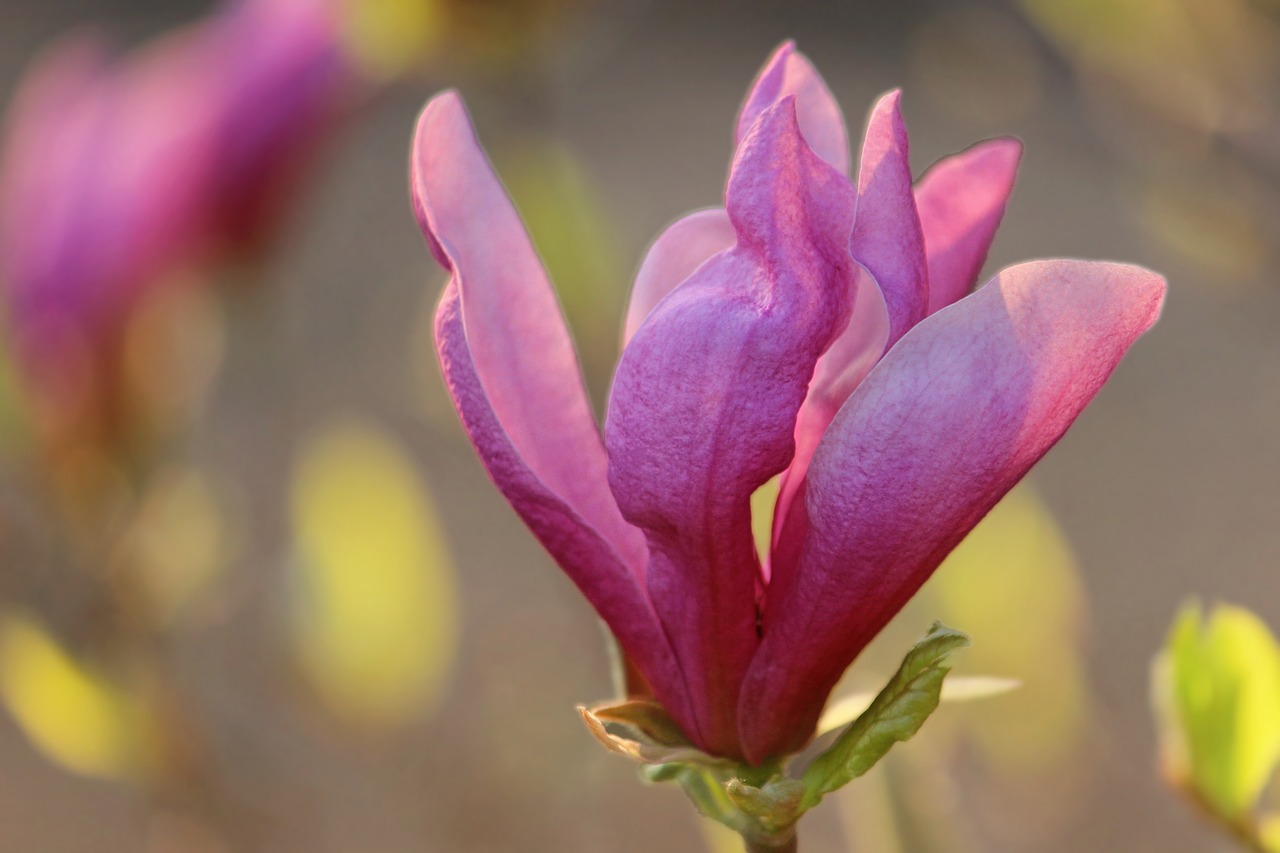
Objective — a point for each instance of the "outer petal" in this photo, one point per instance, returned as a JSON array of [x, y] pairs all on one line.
[[887, 238], [678, 251], [838, 373], [511, 369], [961, 202], [947, 423], [788, 72], [704, 402]]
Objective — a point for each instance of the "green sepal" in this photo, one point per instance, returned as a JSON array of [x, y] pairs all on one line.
[[763, 803], [895, 715], [775, 806]]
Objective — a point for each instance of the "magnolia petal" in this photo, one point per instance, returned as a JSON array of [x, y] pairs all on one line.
[[945, 424], [704, 402], [678, 251], [887, 238], [514, 379], [565, 529], [789, 72], [515, 332], [838, 373], [961, 201]]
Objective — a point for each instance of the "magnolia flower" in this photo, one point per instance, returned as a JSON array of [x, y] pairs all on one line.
[[118, 174], [818, 327]]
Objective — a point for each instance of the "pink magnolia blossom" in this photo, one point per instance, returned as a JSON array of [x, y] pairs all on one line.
[[119, 173], [818, 327]]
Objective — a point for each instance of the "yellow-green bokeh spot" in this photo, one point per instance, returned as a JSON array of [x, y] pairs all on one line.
[[764, 501], [574, 235], [388, 37], [374, 618], [1269, 832], [77, 717], [1217, 690], [177, 546], [1015, 580]]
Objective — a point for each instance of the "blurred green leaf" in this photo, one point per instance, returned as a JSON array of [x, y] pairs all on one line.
[[375, 613], [895, 715], [1217, 688]]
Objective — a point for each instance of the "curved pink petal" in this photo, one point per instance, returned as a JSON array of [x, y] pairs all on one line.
[[949, 421], [679, 250], [514, 378], [704, 402], [788, 72], [887, 238], [961, 201], [840, 370]]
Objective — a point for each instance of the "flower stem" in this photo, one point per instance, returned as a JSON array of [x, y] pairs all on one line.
[[788, 846]]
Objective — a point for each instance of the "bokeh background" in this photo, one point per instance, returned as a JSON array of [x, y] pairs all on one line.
[[300, 618]]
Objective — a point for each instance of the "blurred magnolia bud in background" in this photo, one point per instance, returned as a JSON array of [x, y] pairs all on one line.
[[125, 176]]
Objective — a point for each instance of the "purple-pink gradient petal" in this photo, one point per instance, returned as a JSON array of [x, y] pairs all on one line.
[[703, 405], [679, 250], [516, 334], [961, 201], [788, 72], [815, 328], [837, 374], [514, 378], [689, 241], [941, 429], [887, 238]]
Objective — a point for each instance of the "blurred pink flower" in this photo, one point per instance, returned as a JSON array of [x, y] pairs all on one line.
[[816, 327], [118, 174]]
